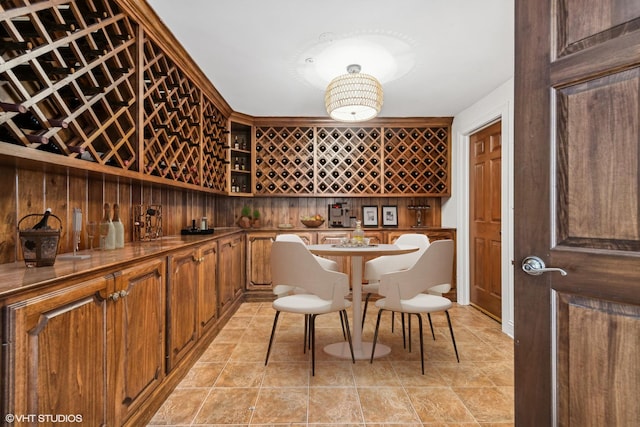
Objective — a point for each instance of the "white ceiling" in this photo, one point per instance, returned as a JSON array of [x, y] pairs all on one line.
[[444, 55]]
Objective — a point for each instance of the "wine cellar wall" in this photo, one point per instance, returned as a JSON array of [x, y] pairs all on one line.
[[87, 86]]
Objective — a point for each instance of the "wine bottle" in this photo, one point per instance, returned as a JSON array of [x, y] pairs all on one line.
[[27, 121], [16, 45], [107, 230], [42, 224], [119, 227], [18, 108], [59, 123], [36, 138]]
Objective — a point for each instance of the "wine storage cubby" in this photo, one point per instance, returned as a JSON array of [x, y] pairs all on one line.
[[68, 74], [241, 163], [351, 161], [284, 160]]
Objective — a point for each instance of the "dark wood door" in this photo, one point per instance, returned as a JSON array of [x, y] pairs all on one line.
[[577, 204], [485, 218]]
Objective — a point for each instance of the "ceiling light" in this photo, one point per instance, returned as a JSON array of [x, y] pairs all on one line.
[[353, 97]]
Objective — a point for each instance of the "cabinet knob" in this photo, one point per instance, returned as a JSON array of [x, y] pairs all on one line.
[[115, 296]]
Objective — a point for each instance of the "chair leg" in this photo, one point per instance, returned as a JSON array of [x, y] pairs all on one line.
[[421, 341], [404, 337], [364, 312], [312, 329], [409, 328], [307, 335], [343, 316], [431, 324], [375, 336], [452, 337], [273, 331], [346, 319], [393, 320]]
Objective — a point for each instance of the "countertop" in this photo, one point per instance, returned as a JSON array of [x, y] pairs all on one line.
[[16, 277]]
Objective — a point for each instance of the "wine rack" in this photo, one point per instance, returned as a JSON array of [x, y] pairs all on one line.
[[172, 118], [68, 73], [214, 147], [284, 160], [240, 158], [348, 160], [352, 161], [416, 160]]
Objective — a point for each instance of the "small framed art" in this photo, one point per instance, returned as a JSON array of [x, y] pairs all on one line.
[[369, 216], [389, 216]]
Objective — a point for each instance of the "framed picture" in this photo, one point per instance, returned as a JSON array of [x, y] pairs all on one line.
[[369, 216], [389, 216]]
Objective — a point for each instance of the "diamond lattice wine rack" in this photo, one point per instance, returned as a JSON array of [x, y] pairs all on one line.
[[68, 80], [171, 119], [352, 161], [284, 160]]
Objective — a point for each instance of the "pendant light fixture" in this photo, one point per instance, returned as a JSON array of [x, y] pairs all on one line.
[[353, 97]]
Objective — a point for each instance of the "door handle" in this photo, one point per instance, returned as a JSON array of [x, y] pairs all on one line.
[[535, 266]]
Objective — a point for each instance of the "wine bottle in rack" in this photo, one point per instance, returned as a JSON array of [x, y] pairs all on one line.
[[27, 121], [59, 123], [36, 138], [16, 45], [49, 148], [10, 107], [25, 27]]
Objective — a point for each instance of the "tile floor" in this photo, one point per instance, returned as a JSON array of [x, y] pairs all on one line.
[[230, 386]]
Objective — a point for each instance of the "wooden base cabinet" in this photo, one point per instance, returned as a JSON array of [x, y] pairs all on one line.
[[74, 350], [58, 346], [137, 359], [258, 259], [231, 270], [191, 299]]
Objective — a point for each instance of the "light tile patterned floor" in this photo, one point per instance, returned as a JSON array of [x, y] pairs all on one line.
[[230, 386]]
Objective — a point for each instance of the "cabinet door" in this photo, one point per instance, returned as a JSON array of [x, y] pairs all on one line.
[[57, 353], [207, 287], [231, 270], [182, 296], [139, 337], [238, 267], [258, 258]]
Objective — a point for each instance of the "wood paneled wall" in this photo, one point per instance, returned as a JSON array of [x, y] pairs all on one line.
[[26, 191]]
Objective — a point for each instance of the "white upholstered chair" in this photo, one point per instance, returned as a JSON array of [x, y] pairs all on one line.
[[376, 267], [293, 265], [283, 290], [407, 291]]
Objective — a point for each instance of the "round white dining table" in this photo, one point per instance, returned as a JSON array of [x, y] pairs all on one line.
[[361, 350]]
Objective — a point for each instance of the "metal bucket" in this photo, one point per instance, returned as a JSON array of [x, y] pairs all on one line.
[[39, 247]]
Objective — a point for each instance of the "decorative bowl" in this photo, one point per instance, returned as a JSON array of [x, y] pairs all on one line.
[[312, 223]]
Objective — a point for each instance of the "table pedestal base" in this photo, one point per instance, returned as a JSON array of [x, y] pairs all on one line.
[[341, 350]]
